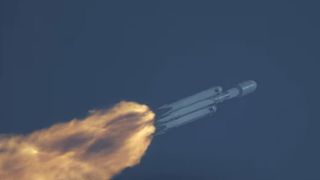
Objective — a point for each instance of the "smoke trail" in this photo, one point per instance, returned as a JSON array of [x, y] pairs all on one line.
[[95, 148]]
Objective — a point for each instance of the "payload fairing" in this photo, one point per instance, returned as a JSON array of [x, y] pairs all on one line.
[[199, 105]]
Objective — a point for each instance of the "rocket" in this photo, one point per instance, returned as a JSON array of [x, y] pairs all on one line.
[[198, 106]]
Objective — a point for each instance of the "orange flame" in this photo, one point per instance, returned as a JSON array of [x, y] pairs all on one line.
[[95, 148]]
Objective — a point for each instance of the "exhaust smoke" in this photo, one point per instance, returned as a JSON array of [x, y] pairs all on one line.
[[94, 148]]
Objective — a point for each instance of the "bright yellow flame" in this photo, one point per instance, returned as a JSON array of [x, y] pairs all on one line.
[[95, 148]]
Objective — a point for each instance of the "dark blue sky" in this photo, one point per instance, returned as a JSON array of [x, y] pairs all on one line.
[[60, 59]]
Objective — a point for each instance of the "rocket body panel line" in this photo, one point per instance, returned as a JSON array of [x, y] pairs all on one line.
[[214, 91], [186, 119], [187, 110]]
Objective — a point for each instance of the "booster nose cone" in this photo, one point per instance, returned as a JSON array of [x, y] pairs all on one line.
[[247, 87]]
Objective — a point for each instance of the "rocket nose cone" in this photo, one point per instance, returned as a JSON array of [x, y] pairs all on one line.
[[248, 87]]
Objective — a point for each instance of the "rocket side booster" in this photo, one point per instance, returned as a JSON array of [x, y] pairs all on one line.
[[199, 105]]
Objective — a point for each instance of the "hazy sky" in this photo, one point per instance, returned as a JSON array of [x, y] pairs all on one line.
[[62, 58]]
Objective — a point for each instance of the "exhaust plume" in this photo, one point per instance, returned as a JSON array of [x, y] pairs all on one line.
[[95, 148]]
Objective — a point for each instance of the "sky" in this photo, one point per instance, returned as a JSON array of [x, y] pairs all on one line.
[[59, 59]]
